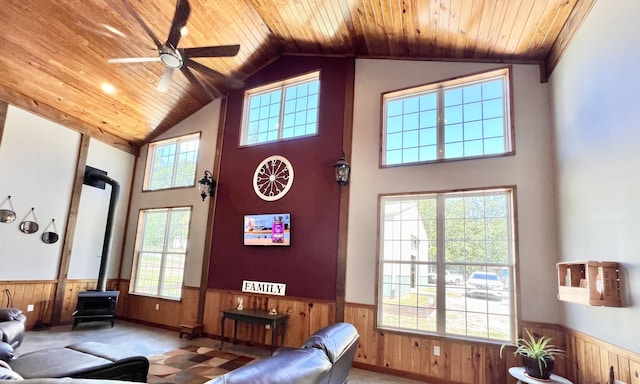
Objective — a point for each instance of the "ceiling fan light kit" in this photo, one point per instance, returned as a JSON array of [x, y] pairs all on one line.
[[180, 58]]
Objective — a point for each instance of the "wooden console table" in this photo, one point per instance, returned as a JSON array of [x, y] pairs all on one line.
[[255, 316]]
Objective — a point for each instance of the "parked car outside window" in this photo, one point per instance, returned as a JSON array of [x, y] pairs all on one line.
[[449, 278], [486, 284]]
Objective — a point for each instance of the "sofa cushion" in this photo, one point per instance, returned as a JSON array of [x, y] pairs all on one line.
[[8, 314], [56, 362], [91, 360], [105, 351]]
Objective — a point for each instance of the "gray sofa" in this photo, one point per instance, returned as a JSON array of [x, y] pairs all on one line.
[[325, 357], [85, 360], [12, 326]]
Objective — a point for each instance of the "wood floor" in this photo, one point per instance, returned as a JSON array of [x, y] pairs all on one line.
[[150, 341]]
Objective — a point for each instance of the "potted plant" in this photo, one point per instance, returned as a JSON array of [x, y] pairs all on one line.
[[538, 355]]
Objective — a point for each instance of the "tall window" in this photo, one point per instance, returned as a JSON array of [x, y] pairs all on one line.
[[172, 163], [282, 110], [460, 283], [161, 249], [462, 118]]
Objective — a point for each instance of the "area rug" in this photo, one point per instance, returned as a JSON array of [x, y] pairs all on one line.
[[192, 365]]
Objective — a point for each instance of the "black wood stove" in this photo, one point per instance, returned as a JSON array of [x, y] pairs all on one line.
[[99, 304]]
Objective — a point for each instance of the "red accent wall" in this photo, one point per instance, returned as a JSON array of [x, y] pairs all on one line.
[[308, 267]]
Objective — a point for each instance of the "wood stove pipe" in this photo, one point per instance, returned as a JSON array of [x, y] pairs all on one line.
[[115, 190]]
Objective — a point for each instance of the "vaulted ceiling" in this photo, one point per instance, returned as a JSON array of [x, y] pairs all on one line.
[[54, 54]]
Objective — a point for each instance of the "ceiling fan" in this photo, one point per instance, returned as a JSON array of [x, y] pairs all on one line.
[[181, 58]]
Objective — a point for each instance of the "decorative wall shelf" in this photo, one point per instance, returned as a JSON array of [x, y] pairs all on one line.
[[589, 282]]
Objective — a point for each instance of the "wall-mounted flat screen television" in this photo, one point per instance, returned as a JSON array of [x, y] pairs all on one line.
[[269, 229]]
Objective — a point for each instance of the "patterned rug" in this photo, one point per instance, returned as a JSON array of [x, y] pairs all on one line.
[[192, 365]]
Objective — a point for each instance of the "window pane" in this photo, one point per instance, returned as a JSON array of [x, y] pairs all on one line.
[[161, 252], [162, 167], [282, 112], [301, 108], [473, 120], [476, 259], [172, 163], [154, 231], [263, 108], [187, 161]]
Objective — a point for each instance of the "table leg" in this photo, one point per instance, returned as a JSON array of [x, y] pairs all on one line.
[[235, 330], [222, 328], [284, 328], [274, 333]]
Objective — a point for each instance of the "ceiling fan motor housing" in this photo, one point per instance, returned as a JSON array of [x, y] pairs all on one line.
[[171, 57]]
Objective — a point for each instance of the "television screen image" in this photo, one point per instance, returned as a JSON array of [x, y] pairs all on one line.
[[271, 229]]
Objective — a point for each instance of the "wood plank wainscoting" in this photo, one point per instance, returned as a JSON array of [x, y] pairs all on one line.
[[587, 359], [40, 293], [460, 361]]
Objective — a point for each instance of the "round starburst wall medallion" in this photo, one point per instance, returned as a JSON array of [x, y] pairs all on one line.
[[273, 178]]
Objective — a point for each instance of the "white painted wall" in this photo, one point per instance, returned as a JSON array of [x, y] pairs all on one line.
[[92, 214], [530, 170], [37, 167], [597, 113], [204, 121]]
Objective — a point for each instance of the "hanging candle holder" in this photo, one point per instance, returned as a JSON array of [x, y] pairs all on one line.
[[29, 226], [49, 237], [7, 215]]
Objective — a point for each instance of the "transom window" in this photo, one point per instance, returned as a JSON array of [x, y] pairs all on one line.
[[172, 163], [462, 118], [458, 279], [161, 250], [281, 111]]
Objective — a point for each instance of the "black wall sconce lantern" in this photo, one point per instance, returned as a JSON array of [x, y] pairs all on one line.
[[207, 185], [342, 169]]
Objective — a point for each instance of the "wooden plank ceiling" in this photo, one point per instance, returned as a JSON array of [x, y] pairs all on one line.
[[54, 53]]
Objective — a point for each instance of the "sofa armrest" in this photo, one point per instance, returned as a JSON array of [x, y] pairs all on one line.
[[283, 350], [295, 366], [334, 340], [6, 352], [8, 314]]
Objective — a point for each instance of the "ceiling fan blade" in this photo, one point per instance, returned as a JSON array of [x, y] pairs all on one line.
[[212, 73], [197, 82], [127, 60], [214, 51], [144, 25], [102, 29], [183, 9], [163, 86]]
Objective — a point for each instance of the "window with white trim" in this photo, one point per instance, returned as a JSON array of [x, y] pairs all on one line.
[[281, 111], [463, 118], [161, 251], [172, 163], [459, 282]]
